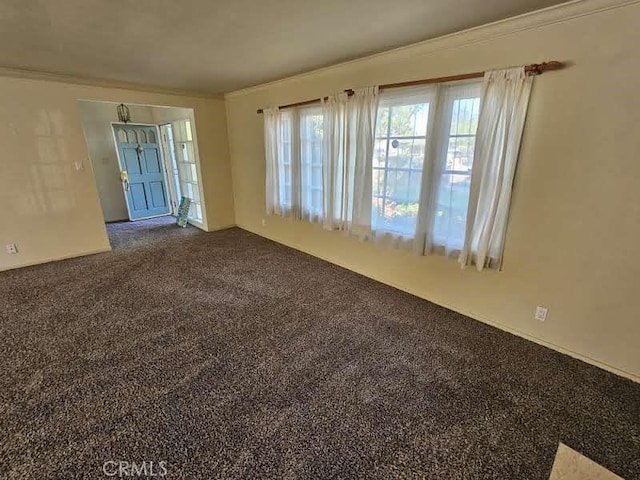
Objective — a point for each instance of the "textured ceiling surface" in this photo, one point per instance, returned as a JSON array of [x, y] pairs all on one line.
[[214, 46]]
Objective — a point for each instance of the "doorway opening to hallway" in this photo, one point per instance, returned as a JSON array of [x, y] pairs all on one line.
[[146, 167]]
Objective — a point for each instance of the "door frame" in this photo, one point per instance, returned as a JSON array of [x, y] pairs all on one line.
[[168, 164], [121, 167], [202, 225]]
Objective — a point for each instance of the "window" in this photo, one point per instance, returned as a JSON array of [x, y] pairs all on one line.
[[286, 162], [186, 162], [425, 126], [398, 160], [428, 129], [460, 114], [311, 137], [297, 135], [398, 165]]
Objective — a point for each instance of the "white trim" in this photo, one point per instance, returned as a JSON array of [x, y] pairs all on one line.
[[57, 259], [223, 227], [546, 16], [149, 218], [136, 123], [6, 71], [168, 165], [473, 315], [198, 225]]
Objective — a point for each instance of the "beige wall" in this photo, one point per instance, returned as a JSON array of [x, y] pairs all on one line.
[[162, 115], [575, 220], [96, 122], [51, 210]]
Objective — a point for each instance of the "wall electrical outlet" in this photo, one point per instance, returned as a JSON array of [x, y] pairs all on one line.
[[264, 222], [541, 313], [11, 248]]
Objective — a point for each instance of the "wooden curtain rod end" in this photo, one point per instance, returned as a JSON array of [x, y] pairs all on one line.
[[540, 68]]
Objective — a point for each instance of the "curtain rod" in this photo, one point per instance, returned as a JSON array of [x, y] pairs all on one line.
[[532, 69]]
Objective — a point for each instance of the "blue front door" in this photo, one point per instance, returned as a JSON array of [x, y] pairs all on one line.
[[142, 171]]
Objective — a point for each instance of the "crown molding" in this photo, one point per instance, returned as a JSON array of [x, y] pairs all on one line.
[[97, 82], [547, 16]]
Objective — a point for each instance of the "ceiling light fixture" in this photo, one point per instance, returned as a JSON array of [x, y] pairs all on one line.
[[123, 113]]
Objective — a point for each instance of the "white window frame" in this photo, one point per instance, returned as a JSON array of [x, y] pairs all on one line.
[[413, 97], [441, 100]]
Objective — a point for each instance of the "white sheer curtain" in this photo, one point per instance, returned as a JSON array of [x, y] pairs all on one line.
[[278, 148], [334, 152], [349, 129], [505, 98], [448, 169], [363, 111]]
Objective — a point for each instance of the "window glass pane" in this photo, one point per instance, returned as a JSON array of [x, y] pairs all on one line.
[[311, 137], [401, 152], [451, 213], [414, 186], [287, 176], [397, 166], [382, 123], [196, 194], [390, 185], [417, 153], [286, 135], [316, 178], [190, 156], [380, 152], [409, 120], [317, 200], [460, 153], [455, 181], [183, 172], [464, 118]]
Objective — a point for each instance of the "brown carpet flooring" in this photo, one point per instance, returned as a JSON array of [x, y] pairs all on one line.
[[230, 356]]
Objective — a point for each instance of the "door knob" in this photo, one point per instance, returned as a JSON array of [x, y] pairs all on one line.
[[124, 178]]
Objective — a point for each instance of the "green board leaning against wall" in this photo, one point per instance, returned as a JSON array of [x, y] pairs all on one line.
[[183, 211]]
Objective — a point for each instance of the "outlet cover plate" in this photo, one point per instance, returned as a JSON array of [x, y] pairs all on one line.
[[541, 313]]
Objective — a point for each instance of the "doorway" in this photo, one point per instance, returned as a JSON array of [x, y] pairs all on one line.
[[144, 167]]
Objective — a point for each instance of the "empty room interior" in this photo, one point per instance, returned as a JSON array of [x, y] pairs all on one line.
[[320, 240]]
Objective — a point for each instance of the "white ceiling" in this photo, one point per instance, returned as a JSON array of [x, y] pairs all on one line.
[[216, 46]]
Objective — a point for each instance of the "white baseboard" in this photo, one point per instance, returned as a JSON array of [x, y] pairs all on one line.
[[56, 259], [222, 227]]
